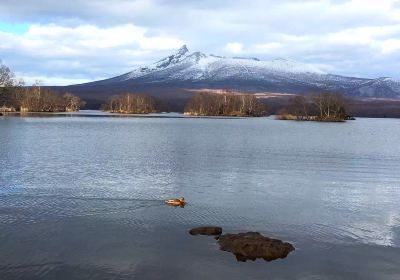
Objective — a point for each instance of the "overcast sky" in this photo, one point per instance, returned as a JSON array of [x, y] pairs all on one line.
[[65, 42]]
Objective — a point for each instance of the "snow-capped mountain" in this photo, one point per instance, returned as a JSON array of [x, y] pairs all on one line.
[[197, 66], [194, 70]]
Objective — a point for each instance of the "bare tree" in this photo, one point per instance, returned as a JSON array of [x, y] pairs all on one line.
[[131, 103], [225, 104], [9, 86], [72, 103], [330, 106], [15, 96], [299, 107], [321, 107], [7, 77]]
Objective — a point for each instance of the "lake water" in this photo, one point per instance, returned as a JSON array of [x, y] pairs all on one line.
[[82, 197]]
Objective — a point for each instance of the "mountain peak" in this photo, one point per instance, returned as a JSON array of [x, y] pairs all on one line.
[[187, 69], [182, 50], [173, 59], [198, 65]]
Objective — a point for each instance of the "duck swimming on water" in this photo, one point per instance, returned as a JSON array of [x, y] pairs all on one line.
[[176, 202]]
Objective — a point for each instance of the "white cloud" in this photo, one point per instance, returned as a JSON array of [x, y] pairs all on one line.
[[90, 36], [267, 47], [100, 38], [235, 48], [362, 35], [390, 46], [49, 81], [370, 5], [60, 51]]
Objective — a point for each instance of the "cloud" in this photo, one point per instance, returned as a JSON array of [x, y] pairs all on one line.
[[67, 40], [90, 36], [86, 51], [49, 80], [390, 46], [267, 47], [235, 48]]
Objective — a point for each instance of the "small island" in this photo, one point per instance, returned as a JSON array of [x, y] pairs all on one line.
[[225, 104], [324, 107], [130, 103]]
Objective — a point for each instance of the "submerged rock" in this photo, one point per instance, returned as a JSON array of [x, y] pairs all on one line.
[[206, 231], [253, 245]]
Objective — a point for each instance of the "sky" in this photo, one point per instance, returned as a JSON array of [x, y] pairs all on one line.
[[75, 41]]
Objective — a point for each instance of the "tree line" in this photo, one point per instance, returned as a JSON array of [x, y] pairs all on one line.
[[225, 104], [327, 106], [14, 96], [130, 103]]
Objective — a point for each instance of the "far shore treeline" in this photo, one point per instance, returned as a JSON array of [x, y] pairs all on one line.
[[327, 106], [201, 104], [130, 103], [15, 96], [225, 104]]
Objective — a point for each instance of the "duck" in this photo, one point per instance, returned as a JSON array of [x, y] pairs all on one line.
[[176, 202]]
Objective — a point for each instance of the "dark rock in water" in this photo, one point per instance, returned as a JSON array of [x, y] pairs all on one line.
[[206, 231], [350, 118], [253, 245]]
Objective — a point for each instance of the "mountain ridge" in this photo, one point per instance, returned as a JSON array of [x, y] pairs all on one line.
[[174, 79], [185, 69]]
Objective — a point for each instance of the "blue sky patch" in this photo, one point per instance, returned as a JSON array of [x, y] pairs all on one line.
[[15, 28]]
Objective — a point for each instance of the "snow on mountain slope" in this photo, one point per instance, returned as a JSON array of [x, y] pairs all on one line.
[[197, 66], [186, 69]]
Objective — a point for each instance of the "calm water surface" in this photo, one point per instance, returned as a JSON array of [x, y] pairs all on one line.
[[82, 197]]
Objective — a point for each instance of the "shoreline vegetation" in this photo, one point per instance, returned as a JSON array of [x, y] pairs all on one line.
[[16, 97], [38, 100], [225, 104], [130, 103], [324, 107]]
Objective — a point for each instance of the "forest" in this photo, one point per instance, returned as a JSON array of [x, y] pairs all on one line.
[[225, 104], [130, 103], [326, 106], [15, 96]]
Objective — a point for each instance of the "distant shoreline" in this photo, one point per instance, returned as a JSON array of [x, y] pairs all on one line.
[[176, 115], [99, 113]]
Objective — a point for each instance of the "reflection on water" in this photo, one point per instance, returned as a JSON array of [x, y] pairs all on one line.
[[84, 198]]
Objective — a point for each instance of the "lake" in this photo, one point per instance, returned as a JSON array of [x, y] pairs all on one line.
[[82, 196]]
